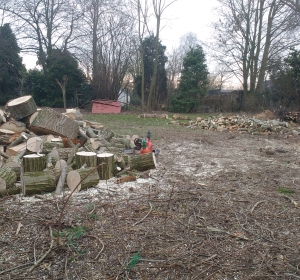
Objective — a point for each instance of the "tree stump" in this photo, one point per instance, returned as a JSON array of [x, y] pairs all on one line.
[[21, 107], [74, 177], [48, 121], [34, 162], [107, 168], [39, 182], [89, 158], [7, 178], [142, 162]]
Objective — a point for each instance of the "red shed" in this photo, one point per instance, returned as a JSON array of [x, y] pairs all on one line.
[[106, 107]]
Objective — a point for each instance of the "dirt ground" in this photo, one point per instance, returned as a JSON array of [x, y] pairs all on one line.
[[219, 205]]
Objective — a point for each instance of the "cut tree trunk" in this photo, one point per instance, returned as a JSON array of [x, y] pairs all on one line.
[[107, 168], [13, 151], [5, 140], [35, 144], [94, 125], [88, 158], [15, 163], [161, 116], [90, 175], [7, 178], [34, 163], [6, 132], [39, 182], [21, 107], [16, 126], [74, 115], [48, 121], [142, 162]]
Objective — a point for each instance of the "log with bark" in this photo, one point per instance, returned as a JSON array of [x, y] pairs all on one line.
[[5, 140], [21, 107], [94, 125], [107, 168], [142, 162], [48, 121], [39, 182], [15, 163], [34, 162], [156, 116], [13, 125], [74, 114], [88, 176], [13, 151], [88, 158], [7, 178]]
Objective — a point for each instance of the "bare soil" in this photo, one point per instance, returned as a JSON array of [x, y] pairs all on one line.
[[219, 205]]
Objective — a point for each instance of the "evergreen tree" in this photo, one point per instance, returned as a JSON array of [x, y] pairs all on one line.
[[193, 82], [11, 67], [45, 87], [148, 46]]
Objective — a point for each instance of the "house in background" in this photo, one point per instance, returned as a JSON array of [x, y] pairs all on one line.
[[124, 98]]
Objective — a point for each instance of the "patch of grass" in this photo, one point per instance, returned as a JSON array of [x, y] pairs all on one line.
[[285, 191], [94, 217], [134, 261]]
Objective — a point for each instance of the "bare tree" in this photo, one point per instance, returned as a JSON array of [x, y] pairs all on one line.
[[159, 6], [248, 34], [175, 59], [108, 46], [43, 25]]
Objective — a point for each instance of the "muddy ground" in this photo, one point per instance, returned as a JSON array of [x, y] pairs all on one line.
[[219, 205]]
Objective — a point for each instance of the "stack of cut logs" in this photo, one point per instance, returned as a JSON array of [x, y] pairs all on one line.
[[43, 150]]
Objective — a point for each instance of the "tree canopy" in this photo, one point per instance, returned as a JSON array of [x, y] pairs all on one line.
[[193, 82], [161, 81], [11, 67]]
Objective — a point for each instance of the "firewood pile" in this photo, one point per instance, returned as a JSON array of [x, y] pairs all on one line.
[[240, 124], [43, 151]]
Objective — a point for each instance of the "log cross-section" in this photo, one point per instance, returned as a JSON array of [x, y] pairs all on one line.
[[21, 107]]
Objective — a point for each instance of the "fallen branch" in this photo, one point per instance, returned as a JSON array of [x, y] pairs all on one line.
[[101, 248], [45, 255], [256, 204], [145, 216]]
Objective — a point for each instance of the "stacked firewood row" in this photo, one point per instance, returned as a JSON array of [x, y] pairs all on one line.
[[240, 124], [44, 151]]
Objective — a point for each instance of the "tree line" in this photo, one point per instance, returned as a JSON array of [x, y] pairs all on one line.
[[97, 49]]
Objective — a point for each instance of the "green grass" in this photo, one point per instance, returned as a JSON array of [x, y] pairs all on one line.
[[129, 123], [285, 191]]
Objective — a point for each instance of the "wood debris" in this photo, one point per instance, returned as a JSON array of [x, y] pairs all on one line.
[[42, 149]]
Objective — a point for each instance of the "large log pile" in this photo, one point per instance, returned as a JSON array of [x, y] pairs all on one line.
[[42, 150]]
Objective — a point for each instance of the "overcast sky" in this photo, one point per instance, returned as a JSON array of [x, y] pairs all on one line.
[[185, 16], [181, 17]]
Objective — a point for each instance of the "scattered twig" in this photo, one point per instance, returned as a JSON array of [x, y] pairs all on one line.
[[45, 255], [18, 228], [256, 204], [292, 275], [145, 216], [292, 201], [98, 255], [16, 267]]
